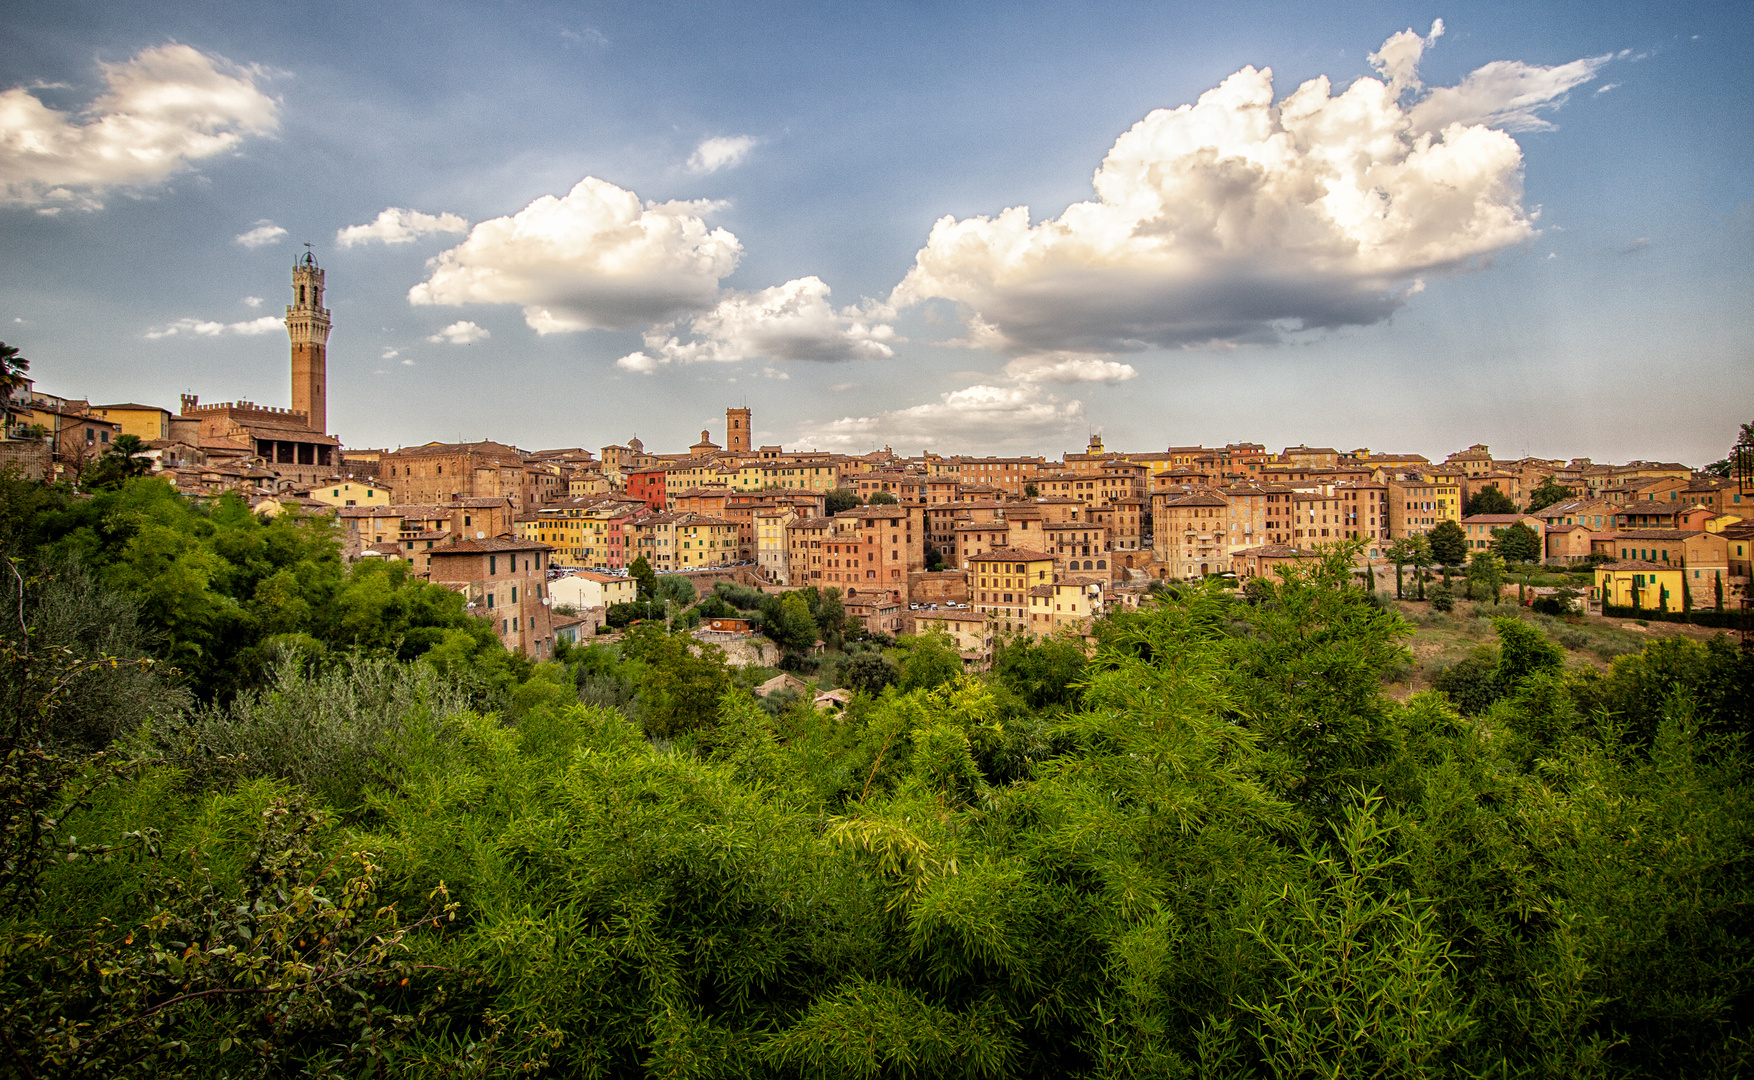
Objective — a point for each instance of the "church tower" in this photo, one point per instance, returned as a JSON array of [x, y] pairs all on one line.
[[307, 323], [737, 430]]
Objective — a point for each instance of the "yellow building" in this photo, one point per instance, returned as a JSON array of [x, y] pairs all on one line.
[[352, 493], [999, 582], [144, 422], [1637, 583], [1418, 502], [704, 541], [771, 544]]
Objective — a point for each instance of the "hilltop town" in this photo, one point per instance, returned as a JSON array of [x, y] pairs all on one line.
[[543, 541]]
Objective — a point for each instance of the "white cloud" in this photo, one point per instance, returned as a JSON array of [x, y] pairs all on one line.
[[390, 354], [167, 107], [398, 226], [265, 232], [1605, 87], [1240, 218], [408, 363], [1505, 94], [793, 321], [1068, 368], [252, 301], [721, 152], [595, 259], [267, 324], [460, 333], [973, 417]]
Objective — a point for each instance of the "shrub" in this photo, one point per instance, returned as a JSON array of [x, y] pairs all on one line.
[[1443, 598]]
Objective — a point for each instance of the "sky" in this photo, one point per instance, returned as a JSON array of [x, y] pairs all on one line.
[[948, 227]]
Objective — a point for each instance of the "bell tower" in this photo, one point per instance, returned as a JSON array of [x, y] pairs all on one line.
[[737, 430], [307, 324]]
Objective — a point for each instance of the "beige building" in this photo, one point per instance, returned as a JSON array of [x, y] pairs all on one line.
[[351, 493], [442, 472], [971, 630], [586, 589], [1068, 604], [1191, 533]]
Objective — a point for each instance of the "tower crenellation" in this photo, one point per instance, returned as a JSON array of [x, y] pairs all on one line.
[[307, 324]]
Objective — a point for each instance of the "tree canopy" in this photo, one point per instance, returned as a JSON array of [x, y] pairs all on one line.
[[1207, 842], [1489, 500]]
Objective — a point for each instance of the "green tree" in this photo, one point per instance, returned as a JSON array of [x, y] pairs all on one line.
[[1044, 672], [1551, 491], [840, 500], [647, 579], [1485, 576], [13, 368], [1030, 491], [830, 612], [869, 672], [928, 661], [679, 687], [1489, 500], [1449, 546], [1517, 544], [884, 498], [797, 631], [1420, 556], [1400, 552], [677, 589]]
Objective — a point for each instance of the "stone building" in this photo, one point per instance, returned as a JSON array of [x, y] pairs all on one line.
[[504, 581], [444, 472]]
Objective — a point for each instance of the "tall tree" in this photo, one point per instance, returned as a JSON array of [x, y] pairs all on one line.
[[1421, 558], [1401, 553], [1449, 546], [841, 499], [1489, 500], [884, 498], [12, 377], [647, 579]]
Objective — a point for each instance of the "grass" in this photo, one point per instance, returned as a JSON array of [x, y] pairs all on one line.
[[1440, 640]]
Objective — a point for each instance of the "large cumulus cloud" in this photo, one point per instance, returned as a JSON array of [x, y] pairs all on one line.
[[596, 258], [975, 417], [793, 321], [164, 109], [1239, 217]]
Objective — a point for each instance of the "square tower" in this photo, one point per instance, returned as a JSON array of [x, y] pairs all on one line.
[[307, 324], [737, 433]]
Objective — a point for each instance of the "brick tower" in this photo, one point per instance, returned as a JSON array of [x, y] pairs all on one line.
[[307, 323], [737, 431]]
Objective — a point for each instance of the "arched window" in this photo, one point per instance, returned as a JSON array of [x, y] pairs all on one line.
[[1102, 564]]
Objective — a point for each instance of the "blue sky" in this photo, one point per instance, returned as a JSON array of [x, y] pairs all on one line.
[[760, 222]]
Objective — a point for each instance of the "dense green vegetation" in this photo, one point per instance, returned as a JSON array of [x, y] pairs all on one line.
[[271, 817]]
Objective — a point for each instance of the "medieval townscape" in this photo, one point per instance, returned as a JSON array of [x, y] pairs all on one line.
[[979, 547]]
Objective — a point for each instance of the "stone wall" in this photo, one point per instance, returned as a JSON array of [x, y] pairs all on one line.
[[29, 456], [943, 587]]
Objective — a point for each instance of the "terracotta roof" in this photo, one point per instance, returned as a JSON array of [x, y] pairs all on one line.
[[460, 546], [1636, 564], [1677, 535], [1009, 554]]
